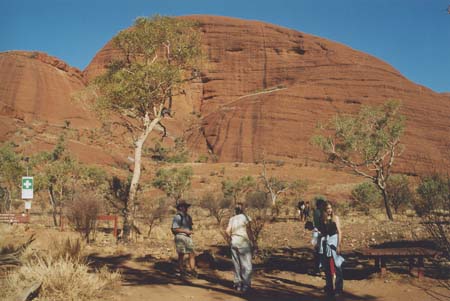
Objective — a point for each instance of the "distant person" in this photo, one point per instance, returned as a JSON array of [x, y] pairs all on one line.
[[331, 236], [301, 209], [242, 243], [306, 211], [317, 213], [182, 229]]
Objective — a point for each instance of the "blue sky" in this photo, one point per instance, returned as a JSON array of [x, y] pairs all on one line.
[[411, 35]]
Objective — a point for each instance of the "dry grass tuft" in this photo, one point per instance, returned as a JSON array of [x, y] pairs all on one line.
[[63, 272], [61, 279]]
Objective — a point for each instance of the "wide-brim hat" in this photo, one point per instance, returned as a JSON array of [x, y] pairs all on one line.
[[182, 203]]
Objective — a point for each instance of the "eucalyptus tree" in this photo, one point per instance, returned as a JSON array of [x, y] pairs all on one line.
[[366, 143], [157, 56]]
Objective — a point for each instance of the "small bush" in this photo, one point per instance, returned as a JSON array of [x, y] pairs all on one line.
[[433, 206], [216, 205], [154, 211], [366, 196], [399, 194], [434, 194], [82, 213], [258, 204]]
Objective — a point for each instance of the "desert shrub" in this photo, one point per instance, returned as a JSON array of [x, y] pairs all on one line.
[[399, 193], [82, 213], [217, 205], [433, 206], [257, 204], [176, 154], [434, 193], [342, 208], [154, 211], [366, 196]]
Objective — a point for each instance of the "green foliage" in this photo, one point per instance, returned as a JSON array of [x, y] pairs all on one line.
[[367, 143], [235, 190], [434, 194], [156, 53], [158, 152], [365, 137], [398, 191], [174, 182], [11, 170], [433, 206], [61, 175], [177, 154], [366, 196]]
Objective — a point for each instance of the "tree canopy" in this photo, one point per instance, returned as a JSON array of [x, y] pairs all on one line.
[[367, 142]]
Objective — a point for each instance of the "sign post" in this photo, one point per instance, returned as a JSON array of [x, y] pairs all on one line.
[[27, 188]]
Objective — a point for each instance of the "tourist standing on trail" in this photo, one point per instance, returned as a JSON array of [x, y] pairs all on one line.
[[329, 248], [317, 213], [242, 243], [182, 229], [301, 209], [306, 211]]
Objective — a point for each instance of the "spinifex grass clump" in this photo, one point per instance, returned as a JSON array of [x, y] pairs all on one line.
[[62, 272]]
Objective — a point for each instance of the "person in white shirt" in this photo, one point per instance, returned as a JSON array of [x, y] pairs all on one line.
[[242, 243]]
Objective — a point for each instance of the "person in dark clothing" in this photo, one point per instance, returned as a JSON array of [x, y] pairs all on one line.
[[306, 211], [329, 249], [317, 213]]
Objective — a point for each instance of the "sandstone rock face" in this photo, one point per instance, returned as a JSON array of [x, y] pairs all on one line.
[[36, 86], [264, 88], [38, 104]]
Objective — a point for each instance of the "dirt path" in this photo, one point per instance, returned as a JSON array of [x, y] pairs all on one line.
[[155, 281]]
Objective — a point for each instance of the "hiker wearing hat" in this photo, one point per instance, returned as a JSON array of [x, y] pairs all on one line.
[[242, 243], [182, 230]]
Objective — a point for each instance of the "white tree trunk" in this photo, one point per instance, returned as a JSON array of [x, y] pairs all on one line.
[[149, 125]]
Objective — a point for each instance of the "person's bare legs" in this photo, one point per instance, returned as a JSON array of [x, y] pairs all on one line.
[[192, 263], [181, 262]]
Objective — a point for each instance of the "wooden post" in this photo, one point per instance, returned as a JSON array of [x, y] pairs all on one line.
[[421, 268], [411, 265], [383, 266]]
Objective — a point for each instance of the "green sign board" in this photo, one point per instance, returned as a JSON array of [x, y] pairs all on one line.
[[27, 188]]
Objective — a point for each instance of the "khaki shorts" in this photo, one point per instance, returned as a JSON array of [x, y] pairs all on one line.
[[184, 244]]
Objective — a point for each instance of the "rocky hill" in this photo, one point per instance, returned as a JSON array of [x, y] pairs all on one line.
[[263, 88]]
